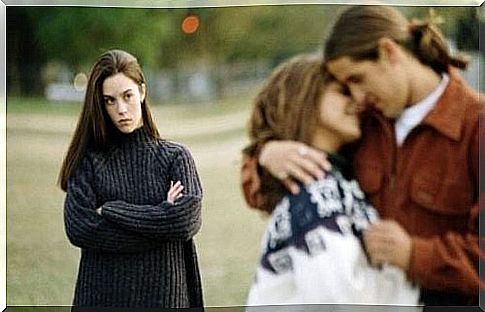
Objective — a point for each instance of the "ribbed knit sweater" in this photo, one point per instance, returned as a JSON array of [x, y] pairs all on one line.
[[139, 252]]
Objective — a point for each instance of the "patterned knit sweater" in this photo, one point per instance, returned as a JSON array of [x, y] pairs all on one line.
[[312, 251], [139, 252]]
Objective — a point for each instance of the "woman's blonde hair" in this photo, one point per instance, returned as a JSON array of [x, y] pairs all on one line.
[[359, 28], [286, 108]]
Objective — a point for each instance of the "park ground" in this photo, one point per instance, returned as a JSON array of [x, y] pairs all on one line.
[[42, 264]]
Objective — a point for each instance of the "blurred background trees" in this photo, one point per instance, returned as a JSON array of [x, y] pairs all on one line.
[[217, 47]]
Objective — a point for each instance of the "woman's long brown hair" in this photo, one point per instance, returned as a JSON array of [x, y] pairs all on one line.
[[286, 108], [94, 129]]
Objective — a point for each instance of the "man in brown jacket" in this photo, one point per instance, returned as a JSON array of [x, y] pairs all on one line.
[[418, 159]]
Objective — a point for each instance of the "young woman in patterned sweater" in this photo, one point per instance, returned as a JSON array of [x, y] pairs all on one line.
[[311, 251]]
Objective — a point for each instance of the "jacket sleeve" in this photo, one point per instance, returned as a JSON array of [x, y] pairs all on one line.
[[85, 228], [180, 220], [450, 262]]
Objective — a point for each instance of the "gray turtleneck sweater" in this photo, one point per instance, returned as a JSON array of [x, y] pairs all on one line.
[[139, 252]]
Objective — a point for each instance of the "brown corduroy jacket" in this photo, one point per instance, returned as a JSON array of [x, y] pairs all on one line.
[[430, 185]]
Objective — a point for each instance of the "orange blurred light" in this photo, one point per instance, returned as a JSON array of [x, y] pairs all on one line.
[[190, 24]]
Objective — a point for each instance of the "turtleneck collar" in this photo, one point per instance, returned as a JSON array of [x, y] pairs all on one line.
[[139, 135], [340, 163]]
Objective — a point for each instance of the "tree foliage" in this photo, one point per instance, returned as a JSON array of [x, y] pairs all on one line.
[[76, 36]]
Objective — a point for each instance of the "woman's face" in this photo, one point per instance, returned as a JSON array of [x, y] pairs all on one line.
[[338, 114], [122, 100]]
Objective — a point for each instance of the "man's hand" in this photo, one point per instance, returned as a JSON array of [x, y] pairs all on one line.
[[291, 160], [387, 242]]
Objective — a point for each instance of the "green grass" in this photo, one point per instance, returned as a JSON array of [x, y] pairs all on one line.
[[42, 265], [17, 105], [39, 106]]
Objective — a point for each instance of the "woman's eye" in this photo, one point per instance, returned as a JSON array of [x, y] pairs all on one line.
[[355, 79], [108, 101]]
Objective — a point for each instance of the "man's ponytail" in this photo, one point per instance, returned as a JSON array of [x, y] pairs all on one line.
[[429, 45]]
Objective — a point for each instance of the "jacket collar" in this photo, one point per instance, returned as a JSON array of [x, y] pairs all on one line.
[[448, 115]]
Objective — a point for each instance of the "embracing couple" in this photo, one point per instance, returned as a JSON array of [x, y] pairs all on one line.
[[367, 161]]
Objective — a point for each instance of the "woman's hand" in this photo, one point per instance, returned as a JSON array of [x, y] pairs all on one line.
[[175, 192], [291, 160]]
